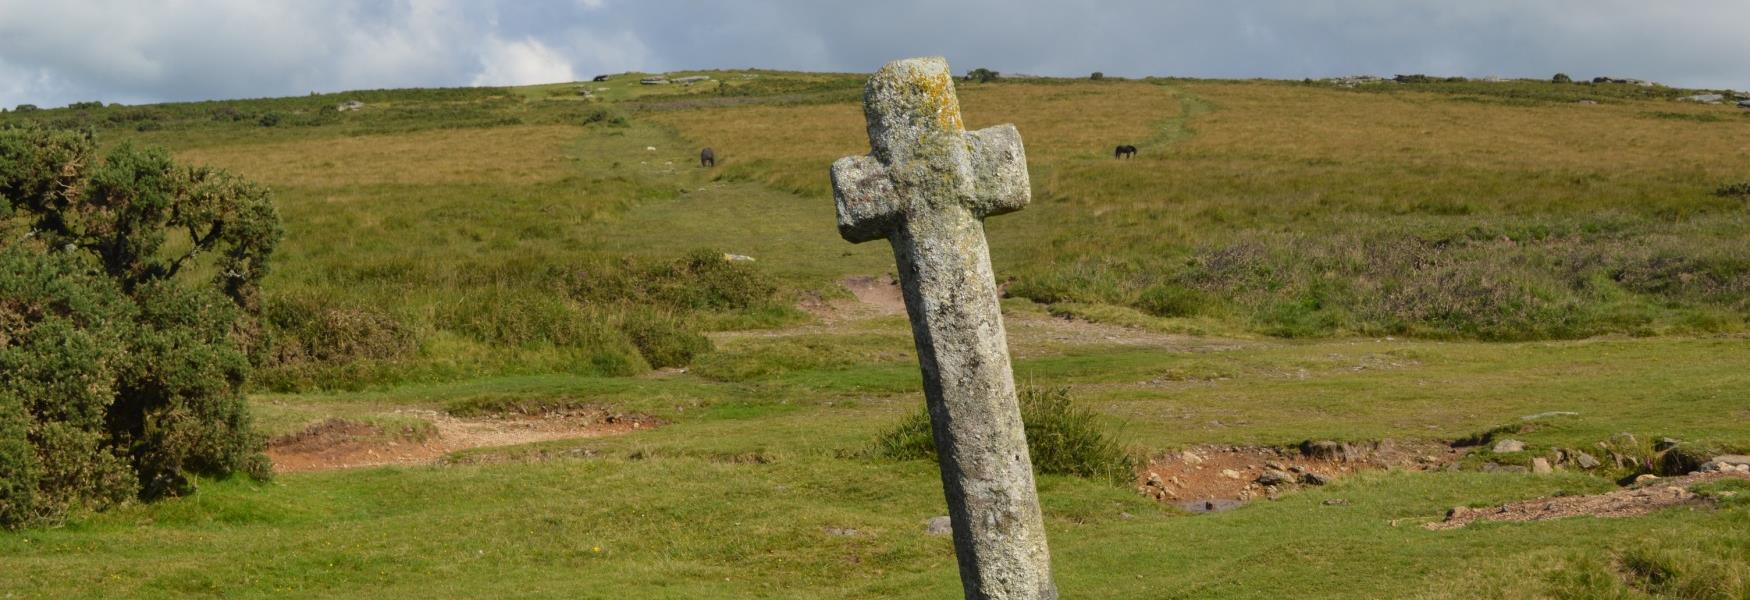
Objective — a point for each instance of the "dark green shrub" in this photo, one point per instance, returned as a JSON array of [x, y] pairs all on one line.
[[1561, 78], [700, 281], [94, 104], [26, 108], [316, 330], [1063, 438], [982, 75], [63, 348], [523, 318], [1171, 301], [1734, 190], [664, 339], [1097, 76], [605, 116], [120, 370], [271, 119]]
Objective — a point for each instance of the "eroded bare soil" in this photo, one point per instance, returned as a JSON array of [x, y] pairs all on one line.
[[1638, 499], [341, 444], [1215, 478]]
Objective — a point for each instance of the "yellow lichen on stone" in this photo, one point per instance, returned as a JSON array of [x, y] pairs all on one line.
[[940, 89]]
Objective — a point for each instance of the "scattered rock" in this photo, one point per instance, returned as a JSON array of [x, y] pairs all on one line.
[[939, 526], [1509, 446], [349, 105], [1230, 473], [1729, 463], [1666, 443], [842, 532], [1587, 102], [1191, 458], [1586, 461], [1744, 104], [1646, 477], [1704, 98], [690, 80], [737, 258], [1336, 502], [1631, 501], [1553, 413], [1311, 478], [1733, 459], [650, 148], [1275, 477], [1540, 466], [654, 81]]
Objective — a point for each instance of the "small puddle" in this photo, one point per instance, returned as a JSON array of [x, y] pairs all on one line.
[[1209, 505]]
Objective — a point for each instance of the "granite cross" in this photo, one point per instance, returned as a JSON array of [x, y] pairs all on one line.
[[927, 186]]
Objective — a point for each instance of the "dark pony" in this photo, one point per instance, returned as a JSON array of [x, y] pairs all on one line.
[[1125, 151], [707, 158]]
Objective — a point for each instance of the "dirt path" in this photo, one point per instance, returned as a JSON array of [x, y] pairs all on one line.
[[1030, 334], [341, 444]]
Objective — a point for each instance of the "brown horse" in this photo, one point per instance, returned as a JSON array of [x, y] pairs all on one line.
[[707, 158], [1125, 151]]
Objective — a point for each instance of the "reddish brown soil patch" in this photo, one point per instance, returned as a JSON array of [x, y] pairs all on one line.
[[1212, 478], [340, 444], [1635, 500]]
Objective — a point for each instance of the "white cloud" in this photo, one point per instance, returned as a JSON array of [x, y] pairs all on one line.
[[521, 62]]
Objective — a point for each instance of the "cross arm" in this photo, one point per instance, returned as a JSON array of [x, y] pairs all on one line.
[[999, 168], [865, 198]]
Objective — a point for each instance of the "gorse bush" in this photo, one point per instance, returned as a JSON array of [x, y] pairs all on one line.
[[1734, 190], [127, 293], [1063, 438]]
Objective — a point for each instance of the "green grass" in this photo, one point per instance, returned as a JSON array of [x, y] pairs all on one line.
[[1282, 262]]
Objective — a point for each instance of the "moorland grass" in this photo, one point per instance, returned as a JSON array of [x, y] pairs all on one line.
[[492, 251]]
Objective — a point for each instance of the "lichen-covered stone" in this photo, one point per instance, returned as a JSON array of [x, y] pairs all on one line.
[[925, 187]]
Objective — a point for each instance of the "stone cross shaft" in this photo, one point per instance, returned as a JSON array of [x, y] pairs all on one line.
[[927, 186]]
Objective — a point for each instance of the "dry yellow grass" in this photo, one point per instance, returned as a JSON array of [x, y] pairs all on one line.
[[1276, 122], [516, 154], [790, 146]]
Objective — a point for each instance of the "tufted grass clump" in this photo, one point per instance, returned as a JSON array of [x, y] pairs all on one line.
[[1063, 437]]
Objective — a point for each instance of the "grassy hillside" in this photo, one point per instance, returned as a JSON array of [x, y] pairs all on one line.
[[1282, 262]]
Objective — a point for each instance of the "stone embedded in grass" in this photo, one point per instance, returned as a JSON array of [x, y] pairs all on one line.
[[1540, 465], [939, 525], [1509, 446], [1275, 477], [1586, 461]]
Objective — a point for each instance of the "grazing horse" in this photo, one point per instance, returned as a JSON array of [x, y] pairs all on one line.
[[1125, 151], [707, 158]]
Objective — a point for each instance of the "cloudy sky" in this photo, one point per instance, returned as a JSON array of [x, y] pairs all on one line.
[[56, 51]]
